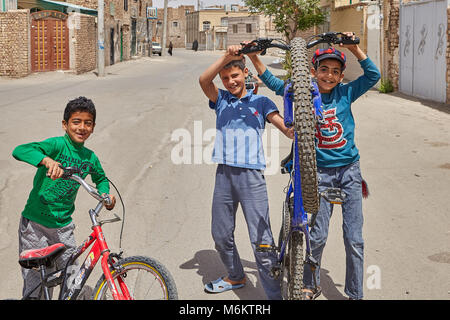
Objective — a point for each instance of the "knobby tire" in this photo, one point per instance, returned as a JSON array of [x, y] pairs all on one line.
[[295, 267], [305, 125]]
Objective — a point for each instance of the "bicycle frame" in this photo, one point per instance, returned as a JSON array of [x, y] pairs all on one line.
[[299, 220], [98, 251]]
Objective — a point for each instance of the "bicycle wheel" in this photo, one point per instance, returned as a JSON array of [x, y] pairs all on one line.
[[295, 267], [305, 125], [146, 279], [282, 239]]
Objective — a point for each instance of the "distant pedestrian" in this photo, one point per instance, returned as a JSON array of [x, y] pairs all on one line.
[[195, 45], [170, 48]]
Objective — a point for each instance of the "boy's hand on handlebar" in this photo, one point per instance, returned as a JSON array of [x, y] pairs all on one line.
[[109, 205], [353, 48], [352, 36], [250, 43], [54, 170], [232, 52]]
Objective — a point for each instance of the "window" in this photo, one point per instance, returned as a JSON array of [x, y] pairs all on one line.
[[224, 22], [235, 28], [248, 28], [125, 5], [175, 24], [206, 25]]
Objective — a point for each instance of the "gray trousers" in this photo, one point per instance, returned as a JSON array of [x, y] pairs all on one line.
[[33, 235], [248, 187]]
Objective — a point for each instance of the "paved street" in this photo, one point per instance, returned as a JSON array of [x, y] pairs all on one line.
[[153, 137]]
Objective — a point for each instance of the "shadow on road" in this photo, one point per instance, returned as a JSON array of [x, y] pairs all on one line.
[[428, 103], [210, 267], [329, 288]]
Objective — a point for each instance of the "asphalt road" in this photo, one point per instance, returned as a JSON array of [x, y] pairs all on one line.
[[154, 135]]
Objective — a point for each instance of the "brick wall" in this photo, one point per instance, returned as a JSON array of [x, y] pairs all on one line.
[[14, 43], [84, 46]]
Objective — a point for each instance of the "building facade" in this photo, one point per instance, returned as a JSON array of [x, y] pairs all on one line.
[[209, 26], [407, 40], [176, 26], [46, 35]]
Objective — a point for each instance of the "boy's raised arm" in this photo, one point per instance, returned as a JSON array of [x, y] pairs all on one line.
[[207, 77]]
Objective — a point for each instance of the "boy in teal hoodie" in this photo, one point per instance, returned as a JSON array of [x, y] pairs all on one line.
[[47, 216], [337, 156]]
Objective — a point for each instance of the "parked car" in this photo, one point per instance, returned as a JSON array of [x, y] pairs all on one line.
[[156, 48]]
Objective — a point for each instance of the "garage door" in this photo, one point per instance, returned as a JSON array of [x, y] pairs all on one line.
[[423, 42]]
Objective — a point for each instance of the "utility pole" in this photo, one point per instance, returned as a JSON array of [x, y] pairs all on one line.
[[164, 34], [101, 39]]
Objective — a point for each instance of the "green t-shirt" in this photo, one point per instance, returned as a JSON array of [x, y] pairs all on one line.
[[51, 202]]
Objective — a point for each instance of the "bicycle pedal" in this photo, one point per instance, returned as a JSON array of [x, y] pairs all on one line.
[[275, 272]]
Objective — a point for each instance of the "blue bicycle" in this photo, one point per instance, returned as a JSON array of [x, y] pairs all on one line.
[[302, 110]]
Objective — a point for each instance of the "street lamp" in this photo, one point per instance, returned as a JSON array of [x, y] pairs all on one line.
[[164, 34], [100, 39]]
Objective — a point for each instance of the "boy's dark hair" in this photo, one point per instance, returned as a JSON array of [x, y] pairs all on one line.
[[236, 63], [80, 104]]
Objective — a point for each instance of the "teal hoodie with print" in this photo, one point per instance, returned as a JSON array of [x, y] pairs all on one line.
[[335, 143]]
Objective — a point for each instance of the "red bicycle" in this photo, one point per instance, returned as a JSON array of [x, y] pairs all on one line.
[[132, 278]]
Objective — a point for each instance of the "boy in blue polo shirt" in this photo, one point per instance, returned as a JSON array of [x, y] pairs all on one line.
[[238, 150]]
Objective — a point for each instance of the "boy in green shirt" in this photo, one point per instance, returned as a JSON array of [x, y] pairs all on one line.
[[46, 219]]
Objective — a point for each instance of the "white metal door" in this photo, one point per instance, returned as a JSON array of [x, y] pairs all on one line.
[[423, 42]]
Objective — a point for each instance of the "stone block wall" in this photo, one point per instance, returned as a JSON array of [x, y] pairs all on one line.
[[14, 43], [392, 41]]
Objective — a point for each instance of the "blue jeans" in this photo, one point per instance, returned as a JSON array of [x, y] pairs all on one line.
[[246, 187], [349, 179]]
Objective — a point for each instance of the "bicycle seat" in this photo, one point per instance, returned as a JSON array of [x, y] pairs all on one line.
[[34, 258]]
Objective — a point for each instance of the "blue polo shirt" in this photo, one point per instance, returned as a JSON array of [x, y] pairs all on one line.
[[240, 125]]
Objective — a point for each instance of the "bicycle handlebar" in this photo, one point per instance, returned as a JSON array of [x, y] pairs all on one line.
[[262, 44], [331, 37], [70, 173]]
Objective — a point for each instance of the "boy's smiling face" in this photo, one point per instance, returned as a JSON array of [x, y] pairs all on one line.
[[79, 126], [328, 75], [233, 79]]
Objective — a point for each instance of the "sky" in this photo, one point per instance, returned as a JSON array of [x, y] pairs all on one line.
[[176, 3]]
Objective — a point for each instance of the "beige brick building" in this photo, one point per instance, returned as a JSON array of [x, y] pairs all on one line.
[[209, 26], [45, 36], [176, 26]]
